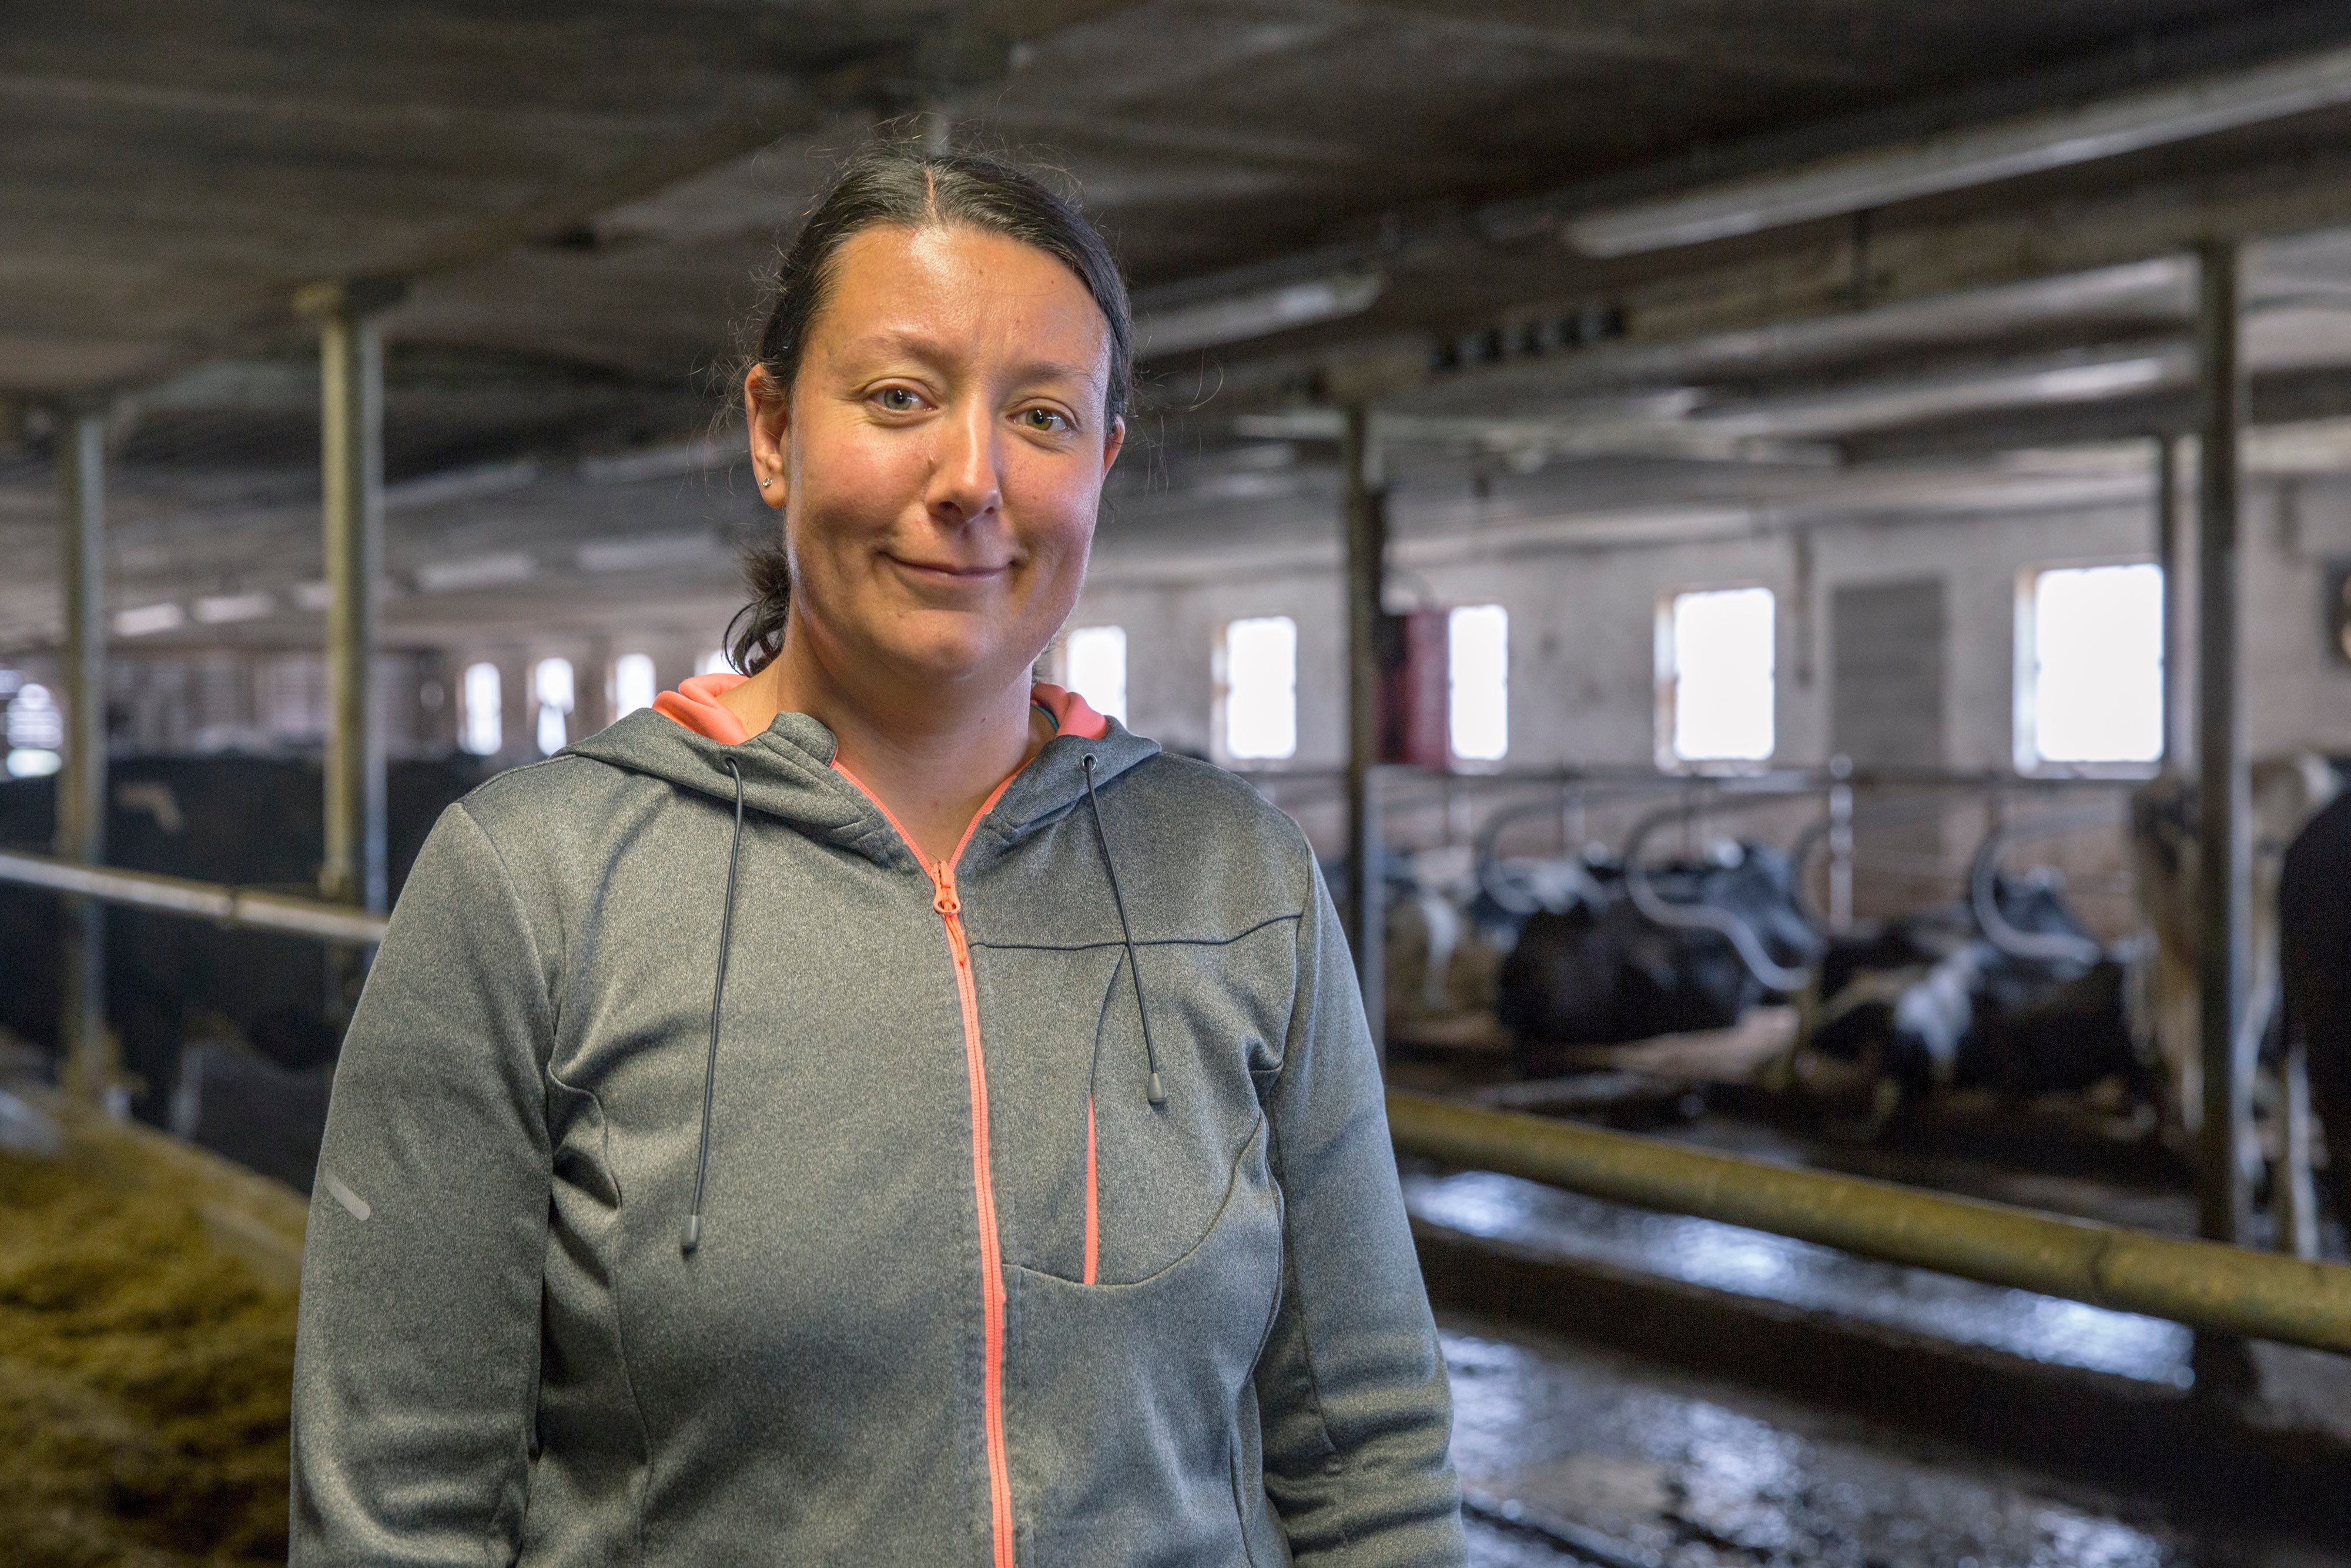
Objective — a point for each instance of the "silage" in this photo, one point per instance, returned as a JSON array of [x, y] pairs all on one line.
[[144, 1379]]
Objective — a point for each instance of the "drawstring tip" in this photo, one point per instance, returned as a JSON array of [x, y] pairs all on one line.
[[692, 1237], [1158, 1095]]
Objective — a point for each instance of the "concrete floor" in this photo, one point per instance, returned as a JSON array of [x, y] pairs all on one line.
[[1680, 1471]]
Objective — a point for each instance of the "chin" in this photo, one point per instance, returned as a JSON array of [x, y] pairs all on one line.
[[951, 659]]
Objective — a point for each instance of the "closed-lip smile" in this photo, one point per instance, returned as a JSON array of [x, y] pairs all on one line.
[[950, 570]]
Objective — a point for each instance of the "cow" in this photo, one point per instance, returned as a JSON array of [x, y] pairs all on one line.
[[1599, 972], [2022, 999], [2287, 792], [2313, 931]]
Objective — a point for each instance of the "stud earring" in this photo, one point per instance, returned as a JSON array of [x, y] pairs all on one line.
[[765, 483]]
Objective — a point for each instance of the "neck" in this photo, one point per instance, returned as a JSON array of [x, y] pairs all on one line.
[[932, 754]]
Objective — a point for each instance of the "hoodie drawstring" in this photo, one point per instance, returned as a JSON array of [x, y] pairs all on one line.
[[1150, 1053], [693, 1236]]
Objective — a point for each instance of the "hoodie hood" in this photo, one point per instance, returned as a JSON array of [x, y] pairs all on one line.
[[787, 772]]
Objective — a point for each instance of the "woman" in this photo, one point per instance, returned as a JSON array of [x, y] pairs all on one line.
[[876, 1110]]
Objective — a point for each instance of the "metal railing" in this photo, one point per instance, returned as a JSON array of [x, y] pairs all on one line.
[[2202, 1284], [339, 924]]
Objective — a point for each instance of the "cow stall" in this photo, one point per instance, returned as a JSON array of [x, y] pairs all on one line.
[[1946, 978]]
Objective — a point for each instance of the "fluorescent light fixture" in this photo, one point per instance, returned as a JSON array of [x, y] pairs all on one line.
[[1978, 155], [220, 610], [461, 485], [647, 552], [1256, 313], [1665, 435], [474, 571], [1880, 405], [313, 596], [146, 619]]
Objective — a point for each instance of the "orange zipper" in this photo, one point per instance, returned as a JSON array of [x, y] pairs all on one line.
[[949, 905]]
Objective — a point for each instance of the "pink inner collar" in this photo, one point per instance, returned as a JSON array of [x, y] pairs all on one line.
[[696, 704]]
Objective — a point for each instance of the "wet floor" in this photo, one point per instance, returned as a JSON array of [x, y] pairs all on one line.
[[1560, 1442]]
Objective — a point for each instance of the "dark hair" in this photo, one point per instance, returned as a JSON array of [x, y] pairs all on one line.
[[897, 184]]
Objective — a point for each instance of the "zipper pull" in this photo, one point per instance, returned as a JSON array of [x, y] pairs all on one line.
[[945, 900]]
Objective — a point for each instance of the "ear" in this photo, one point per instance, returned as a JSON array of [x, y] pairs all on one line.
[[1114, 444], [769, 408]]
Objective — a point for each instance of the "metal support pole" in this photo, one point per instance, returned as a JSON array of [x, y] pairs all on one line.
[[1841, 843], [2223, 884], [87, 1050], [1366, 559], [350, 363], [2170, 554]]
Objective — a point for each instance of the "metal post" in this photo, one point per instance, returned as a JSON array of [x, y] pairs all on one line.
[[350, 363], [1841, 843], [86, 1049], [2225, 829], [2170, 556], [1366, 558]]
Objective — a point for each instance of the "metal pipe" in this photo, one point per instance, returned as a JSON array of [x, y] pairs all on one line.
[[1841, 846], [334, 923], [2170, 558], [1367, 547], [350, 364], [2225, 831], [87, 1049], [1661, 911], [1983, 893], [2229, 1290]]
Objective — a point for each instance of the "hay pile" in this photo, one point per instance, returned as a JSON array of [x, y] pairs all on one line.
[[143, 1377]]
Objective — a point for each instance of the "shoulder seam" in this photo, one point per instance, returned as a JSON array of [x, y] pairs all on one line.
[[522, 917]]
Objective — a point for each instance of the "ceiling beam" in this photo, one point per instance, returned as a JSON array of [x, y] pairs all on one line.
[[1959, 160], [1836, 277], [2306, 54]]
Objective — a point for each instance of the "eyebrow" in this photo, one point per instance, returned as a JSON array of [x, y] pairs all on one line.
[[892, 340]]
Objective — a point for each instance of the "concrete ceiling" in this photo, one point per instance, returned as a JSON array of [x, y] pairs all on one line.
[[581, 202]]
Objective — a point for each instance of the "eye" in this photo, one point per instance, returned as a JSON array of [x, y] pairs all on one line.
[[898, 400], [1050, 422]]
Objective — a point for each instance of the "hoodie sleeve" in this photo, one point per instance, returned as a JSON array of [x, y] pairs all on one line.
[[1351, 1387], [416, 1361]]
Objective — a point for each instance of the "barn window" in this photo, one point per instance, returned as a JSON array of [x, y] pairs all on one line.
[[1477, 681], [1716, 661], [1094, 665], [552, 692], [36, 732], [482, 727], [2090, 666], [633, 684], [1257, 689]]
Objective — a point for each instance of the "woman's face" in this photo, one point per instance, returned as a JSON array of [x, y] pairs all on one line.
[[939, 456]]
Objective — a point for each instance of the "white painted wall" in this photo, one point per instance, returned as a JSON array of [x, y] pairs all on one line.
[[1582, 648]]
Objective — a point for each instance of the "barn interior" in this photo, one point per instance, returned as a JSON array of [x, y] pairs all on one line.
[[1794, 561]]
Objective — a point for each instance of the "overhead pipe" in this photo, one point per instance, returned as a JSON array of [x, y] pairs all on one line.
[[2206, 1285]]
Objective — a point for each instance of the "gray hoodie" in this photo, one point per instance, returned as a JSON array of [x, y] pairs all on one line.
[[708, 1181]]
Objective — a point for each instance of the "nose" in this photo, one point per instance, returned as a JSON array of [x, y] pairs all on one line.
[[966, 483]]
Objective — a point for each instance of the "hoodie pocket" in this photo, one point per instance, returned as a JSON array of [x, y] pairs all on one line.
[[1121, 1401]]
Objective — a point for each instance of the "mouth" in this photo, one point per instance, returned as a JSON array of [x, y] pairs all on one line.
[[948, 571]]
